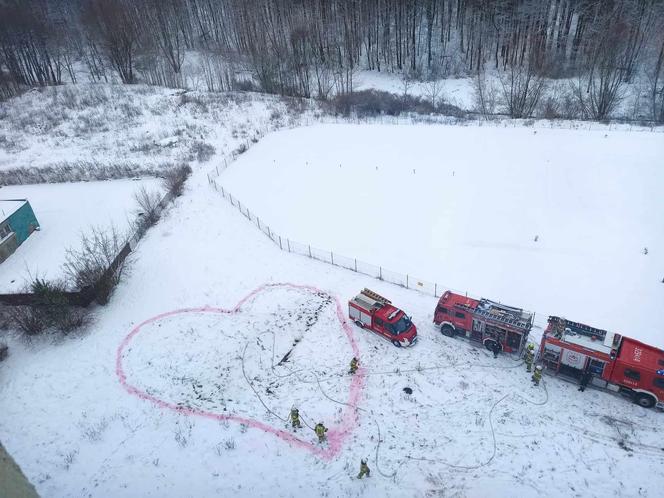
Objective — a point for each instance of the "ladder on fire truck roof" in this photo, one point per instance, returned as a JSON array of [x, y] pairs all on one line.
[[522, 324], [503, 314], [375, 296]]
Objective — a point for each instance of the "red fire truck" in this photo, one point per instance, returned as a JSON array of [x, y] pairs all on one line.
[[372, 311], [483, 321], [617, 363]]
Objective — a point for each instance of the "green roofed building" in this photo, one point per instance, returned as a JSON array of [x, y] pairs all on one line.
[[17, 222]]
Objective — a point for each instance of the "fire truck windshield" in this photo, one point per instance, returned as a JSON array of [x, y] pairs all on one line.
[[401, 325]]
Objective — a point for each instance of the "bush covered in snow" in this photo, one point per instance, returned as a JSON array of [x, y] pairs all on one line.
[[96, 264], [81, 170], [50, 310], [175, 179]]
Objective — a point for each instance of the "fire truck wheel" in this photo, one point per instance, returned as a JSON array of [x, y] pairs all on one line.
[[396, 343], [447, 330], [644, 400], [359, 324]]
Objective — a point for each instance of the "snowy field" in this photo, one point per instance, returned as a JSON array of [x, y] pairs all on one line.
[[159, 399], [64, 212], [182, 384], [551, 220]]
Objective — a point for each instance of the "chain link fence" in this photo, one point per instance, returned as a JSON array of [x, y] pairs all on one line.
[[326, 256]]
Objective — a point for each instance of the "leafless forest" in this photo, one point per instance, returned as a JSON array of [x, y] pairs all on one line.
[[313, 48]]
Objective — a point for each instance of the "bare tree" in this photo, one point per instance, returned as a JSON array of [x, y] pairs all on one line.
[[600, 89], [175, 179], [114, 21], [149, 207], [522, 88], [97, 264], [163, 17], [433, 88], [657, 87], [486, 97], [407, 81]]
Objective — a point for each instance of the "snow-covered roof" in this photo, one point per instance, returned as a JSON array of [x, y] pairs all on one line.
[[9, 207]]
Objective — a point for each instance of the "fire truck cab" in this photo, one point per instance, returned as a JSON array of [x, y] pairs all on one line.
[[483, 321], [372, 311], [617, 363]]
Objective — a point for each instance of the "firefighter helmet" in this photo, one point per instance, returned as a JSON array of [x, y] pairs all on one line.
[[531, 346], [538, 367]]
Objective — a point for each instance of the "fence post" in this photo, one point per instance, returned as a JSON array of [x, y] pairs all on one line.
[[259, 222], [288, 241], [310, 250], [332, 256], [380, 273], [280, 246], [406, 281], [217, 168], [355, 265], [435, 290]]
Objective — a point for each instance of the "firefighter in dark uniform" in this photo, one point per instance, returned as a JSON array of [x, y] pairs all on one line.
[[295, 418], [495, 347], [530, 357], [364, 470], [320, 432], [585, 379], [537, 375], [354, 364]]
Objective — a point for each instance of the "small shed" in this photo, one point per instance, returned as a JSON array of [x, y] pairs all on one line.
[[17, 222]]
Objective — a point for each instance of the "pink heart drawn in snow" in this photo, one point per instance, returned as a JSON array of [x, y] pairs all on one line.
[[336, 434]]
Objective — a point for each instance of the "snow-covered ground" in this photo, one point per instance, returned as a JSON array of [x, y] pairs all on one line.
[[462, 206], [78, 431], [65, 211], [181, 387], [102, 129]]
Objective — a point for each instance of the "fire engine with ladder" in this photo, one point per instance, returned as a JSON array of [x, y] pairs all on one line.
[[374, 312], [616, 363], [483, 321]]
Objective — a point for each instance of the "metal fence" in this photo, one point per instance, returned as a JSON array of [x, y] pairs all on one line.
[[326, 256]]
